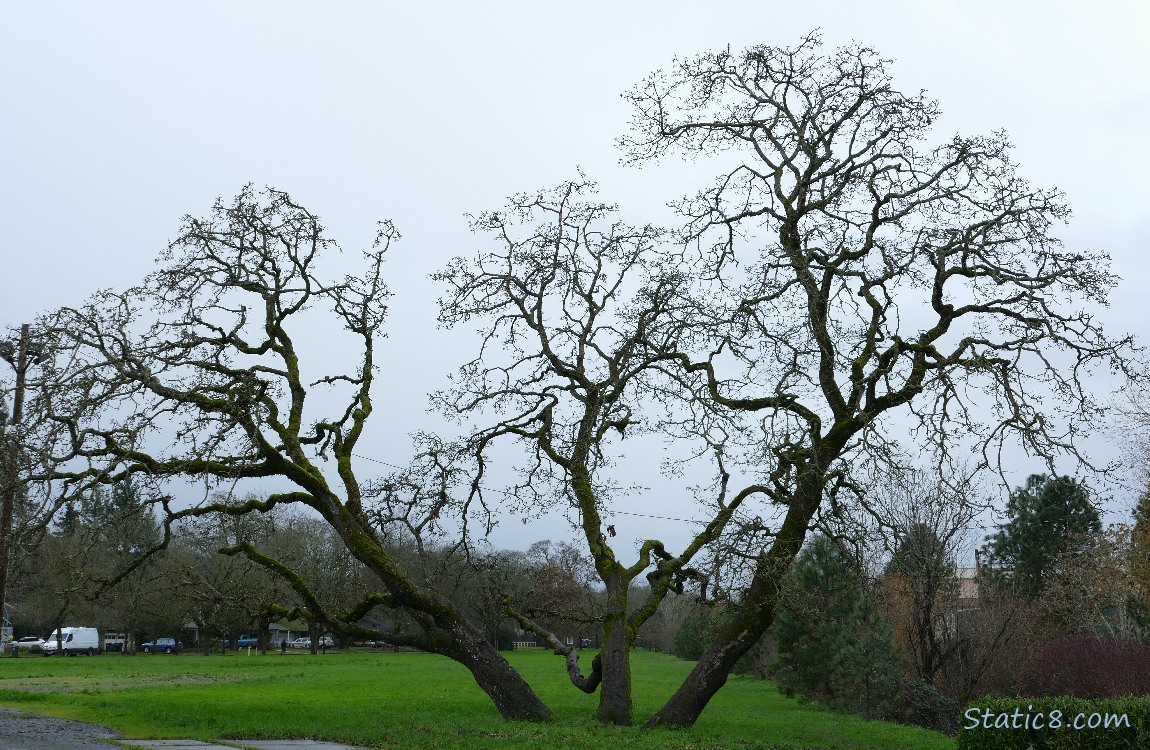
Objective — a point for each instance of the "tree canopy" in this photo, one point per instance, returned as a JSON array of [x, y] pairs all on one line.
[[200, 372], [576, 327]]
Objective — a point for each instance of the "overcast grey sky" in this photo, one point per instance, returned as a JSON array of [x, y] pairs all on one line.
[[119, 117]]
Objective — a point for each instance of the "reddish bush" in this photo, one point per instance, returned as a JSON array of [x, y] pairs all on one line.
[[1088, 667]]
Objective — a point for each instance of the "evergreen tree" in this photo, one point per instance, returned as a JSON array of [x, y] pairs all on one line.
[[1045, 519], [920, 552], [121, 519], [693, 636], [69, 520], [1142, 509], [832, 643]]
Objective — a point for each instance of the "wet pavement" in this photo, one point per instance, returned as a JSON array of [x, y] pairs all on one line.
[[233, 744], [24, 731]]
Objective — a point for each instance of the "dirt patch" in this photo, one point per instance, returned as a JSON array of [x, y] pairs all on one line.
[[98, 684]]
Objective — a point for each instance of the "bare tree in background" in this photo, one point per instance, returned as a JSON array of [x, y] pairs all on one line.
[[204, 372], [953, 622], [855, 272], [224, 595], [1095, 587], [28, 506]]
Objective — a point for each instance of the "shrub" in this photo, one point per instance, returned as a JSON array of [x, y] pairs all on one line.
[[693, 636], [1088, 667], [923, 705]]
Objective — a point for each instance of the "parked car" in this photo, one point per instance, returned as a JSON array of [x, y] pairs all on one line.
[[304, 642], [167, 645], [326, 641], [29, 644], [244, 641], [75, 641]]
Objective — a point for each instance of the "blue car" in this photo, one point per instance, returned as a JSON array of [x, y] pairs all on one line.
[[167, 645], [244, 641]]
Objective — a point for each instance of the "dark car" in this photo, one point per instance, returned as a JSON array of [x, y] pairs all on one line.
[[167, 645]]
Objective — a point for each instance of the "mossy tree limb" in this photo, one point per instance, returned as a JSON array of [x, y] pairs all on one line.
[[202, 372]]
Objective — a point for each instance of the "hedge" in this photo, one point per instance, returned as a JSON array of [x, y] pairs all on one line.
[[1050, 724]]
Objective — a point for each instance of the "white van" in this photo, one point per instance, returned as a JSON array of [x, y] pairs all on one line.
[[75, 640]]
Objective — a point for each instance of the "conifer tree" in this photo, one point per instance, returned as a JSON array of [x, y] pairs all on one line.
[[1045, 518], [832, 642]]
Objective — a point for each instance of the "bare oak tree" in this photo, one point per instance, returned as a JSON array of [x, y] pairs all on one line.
[[855, 273], [201, 373]]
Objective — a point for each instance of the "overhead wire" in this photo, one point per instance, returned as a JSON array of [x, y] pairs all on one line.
[[509, 494]]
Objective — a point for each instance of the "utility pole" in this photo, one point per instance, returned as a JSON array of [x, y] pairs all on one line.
[[11, 458]]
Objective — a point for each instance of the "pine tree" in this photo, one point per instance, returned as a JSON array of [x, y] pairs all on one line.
[[121, 518], [868, 675], [832, 642], [1045, 519]]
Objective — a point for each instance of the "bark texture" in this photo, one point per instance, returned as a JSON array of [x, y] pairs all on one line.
[[615, 701]]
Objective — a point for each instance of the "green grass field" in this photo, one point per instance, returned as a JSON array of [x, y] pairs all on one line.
[[411, 700]]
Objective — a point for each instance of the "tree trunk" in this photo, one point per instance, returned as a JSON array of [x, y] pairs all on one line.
[[615, 703], [59, 632], [687, 704], [10, 481], [757, 614], [510, 693]]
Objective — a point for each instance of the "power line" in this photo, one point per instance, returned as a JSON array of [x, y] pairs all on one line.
[[665, 518], [510, 494], [376, 460]]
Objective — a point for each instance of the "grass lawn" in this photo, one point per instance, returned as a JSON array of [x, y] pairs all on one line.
[[412, 701]]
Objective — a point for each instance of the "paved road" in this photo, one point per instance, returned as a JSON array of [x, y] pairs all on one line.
[[23, 731]]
